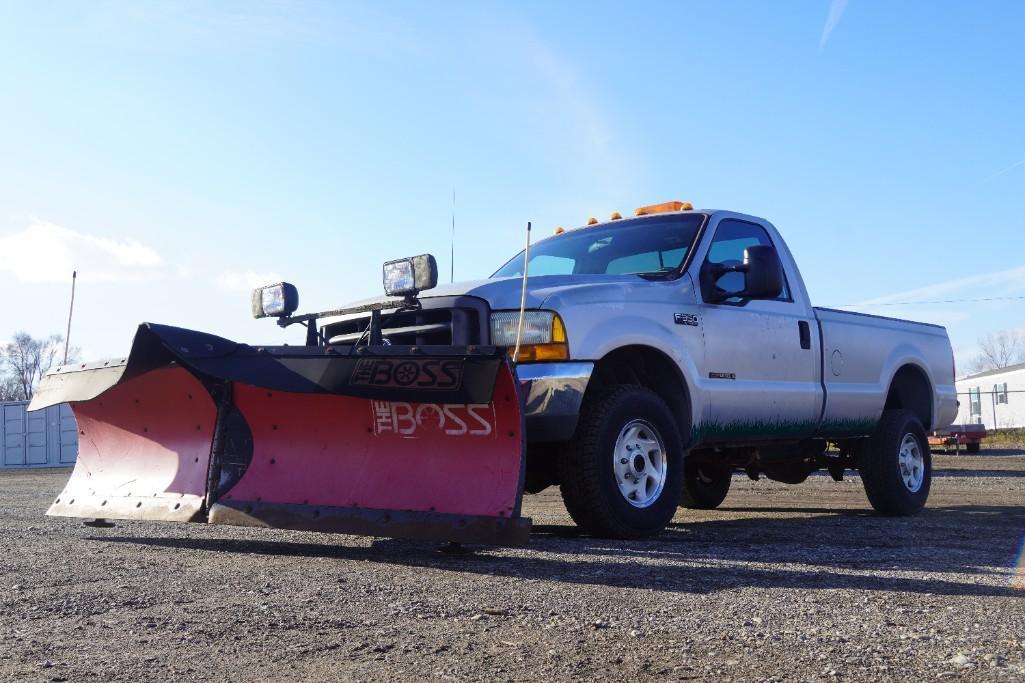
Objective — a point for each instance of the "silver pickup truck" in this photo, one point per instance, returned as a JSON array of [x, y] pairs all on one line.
[[660, 354]]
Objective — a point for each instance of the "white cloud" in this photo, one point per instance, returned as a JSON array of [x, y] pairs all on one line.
[[246, 281], [47, 253], [559, 101], [836, 10], [580, 110], [984, 285], [968, 307]]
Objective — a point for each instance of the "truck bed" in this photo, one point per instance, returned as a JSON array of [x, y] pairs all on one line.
[[861, 353]]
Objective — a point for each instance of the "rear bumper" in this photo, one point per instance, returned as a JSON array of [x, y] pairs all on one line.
[[552, 396]]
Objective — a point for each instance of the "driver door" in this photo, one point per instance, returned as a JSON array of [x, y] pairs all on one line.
[[761, 358]]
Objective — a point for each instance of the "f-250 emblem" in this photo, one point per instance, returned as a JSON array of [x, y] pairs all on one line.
[[417, 374], [685, 319]]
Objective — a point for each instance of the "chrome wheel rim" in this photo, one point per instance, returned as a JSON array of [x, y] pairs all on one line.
[[911, 462], [640, 463]]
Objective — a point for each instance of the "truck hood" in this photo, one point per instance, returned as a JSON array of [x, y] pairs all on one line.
[[504, 293]]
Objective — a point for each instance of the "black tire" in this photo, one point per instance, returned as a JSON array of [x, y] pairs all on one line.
[[587, 475], [879, 464], [972, 447], [705, 484]]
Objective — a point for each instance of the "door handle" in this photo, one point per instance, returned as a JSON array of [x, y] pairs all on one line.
[[805, 332]]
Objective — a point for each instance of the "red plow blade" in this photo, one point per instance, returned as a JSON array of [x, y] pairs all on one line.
[[409, 444], [387, 468], [143, 450]]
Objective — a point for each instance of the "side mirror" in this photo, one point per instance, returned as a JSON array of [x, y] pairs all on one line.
[[763, 273], [763, 276], [410, 276]]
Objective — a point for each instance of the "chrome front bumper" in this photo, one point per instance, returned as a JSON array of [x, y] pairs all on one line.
[[552, 396]]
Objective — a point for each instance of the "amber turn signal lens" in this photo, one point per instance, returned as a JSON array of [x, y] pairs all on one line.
[[536, 353]]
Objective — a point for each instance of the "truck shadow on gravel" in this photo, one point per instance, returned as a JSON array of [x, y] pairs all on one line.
[[830, 550], [985, 474]]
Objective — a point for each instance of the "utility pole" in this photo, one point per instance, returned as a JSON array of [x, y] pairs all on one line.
[[71, 311], [993, 397]]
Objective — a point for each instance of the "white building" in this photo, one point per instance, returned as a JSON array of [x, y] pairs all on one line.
[[995, 398]]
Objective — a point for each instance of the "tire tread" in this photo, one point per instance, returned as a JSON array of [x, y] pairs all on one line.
[[581, 467], [885, 490]]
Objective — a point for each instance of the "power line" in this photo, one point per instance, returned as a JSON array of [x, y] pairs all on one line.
[[938, 301]]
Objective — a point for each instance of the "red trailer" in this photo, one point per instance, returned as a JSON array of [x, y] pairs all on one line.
[[968, 436]]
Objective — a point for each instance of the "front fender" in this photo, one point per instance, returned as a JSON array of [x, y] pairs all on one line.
[[590, 339]]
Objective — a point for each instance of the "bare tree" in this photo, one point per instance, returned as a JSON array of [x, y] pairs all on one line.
[[10, 390], [999, 350], [24, 362]]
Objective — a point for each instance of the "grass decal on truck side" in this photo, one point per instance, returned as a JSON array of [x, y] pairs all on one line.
[[744, 430]]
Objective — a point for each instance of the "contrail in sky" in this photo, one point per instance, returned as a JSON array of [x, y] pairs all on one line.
[[1003, 171], [836, 10]]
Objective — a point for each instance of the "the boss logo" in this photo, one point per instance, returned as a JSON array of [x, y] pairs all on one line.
[[422, 419], [419, 374]]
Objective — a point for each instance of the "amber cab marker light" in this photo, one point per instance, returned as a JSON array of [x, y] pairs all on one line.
[[559, 230], [615, 216], [592, 221], [664, 207]]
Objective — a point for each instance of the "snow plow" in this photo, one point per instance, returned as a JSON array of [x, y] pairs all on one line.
[[407, 441]]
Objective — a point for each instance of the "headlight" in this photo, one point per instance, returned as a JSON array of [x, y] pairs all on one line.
[[275, 300], [543, 337], [409, 276]]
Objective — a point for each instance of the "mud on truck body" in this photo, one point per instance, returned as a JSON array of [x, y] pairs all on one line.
[[654, 357]]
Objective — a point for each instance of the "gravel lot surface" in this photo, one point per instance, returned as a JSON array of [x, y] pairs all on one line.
[[782, 583]]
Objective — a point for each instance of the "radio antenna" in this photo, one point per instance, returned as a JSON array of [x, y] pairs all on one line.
[[523, 296], [452, 254]]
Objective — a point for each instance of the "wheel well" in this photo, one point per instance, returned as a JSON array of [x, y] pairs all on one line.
[[647, 367], [910, 390]]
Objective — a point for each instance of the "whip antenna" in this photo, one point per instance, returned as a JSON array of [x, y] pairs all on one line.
[[452, 254], [523, 296]]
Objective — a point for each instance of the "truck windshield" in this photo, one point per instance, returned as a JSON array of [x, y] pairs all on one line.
[[644, 246]]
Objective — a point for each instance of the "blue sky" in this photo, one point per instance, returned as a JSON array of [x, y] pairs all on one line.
[[178, 153]]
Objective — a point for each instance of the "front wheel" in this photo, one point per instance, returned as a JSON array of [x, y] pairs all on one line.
[[896, 466], [622, 475]]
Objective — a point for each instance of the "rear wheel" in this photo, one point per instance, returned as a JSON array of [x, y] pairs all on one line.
[[705, 484], [621, 477], [896, 466]]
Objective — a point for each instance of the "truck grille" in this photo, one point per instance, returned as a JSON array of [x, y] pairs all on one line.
[[460, 325]]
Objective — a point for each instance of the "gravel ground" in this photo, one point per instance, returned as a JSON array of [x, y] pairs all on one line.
[[782, 583]]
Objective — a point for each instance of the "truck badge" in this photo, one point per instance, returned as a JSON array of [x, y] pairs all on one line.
[[685, 319]]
